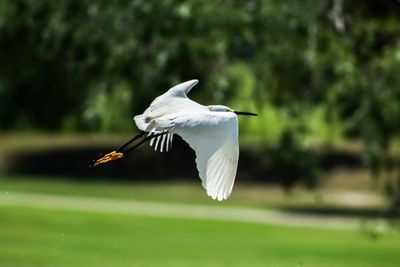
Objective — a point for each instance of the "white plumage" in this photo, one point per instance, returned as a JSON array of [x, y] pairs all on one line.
[[211, 131]]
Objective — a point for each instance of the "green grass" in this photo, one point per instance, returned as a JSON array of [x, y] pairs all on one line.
[[52, 237], [46, 237], [255, 195]]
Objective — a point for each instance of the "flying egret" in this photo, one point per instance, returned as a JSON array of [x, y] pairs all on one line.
[[211, 131]]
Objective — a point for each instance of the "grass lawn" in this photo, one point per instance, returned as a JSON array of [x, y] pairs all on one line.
[[255, 195], [49, 237]]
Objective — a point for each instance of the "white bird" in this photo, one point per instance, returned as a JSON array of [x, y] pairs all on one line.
[[211, 131]]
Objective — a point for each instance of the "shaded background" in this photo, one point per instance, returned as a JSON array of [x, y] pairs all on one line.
[[323, 77], [319, 73]]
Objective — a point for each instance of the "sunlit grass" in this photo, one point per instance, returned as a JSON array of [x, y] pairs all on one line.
[[254, 195], [51, 237], [41, 237]]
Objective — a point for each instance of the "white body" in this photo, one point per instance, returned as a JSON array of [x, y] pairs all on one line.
[[213, 135]]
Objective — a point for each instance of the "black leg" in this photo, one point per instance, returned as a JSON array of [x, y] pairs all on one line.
[[143, 141], [114, 155], [130, 141]]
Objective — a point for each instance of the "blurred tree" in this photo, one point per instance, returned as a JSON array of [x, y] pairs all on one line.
[[367, 93], [294, 162], [91, 65]]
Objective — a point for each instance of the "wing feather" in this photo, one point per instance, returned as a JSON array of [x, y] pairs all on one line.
[[212, 135], [159, 117], [215, 142]]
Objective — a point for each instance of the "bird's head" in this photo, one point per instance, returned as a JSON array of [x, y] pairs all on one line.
[[221, 108]]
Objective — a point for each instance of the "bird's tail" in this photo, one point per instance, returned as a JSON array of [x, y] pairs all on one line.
[[145, 123], [141, 123], [161, 142]]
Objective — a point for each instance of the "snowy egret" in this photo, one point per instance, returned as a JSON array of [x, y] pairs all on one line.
[[211, 131]]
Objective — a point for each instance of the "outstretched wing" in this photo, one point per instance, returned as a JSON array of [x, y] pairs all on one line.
[[182, 89], [215, 141], [157, 118]]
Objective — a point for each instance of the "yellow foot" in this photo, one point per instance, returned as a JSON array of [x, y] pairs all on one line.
[[114, 155]]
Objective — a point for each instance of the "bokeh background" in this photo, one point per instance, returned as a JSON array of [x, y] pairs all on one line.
[[318, 181]]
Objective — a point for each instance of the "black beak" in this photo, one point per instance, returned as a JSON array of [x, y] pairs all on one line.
[[244, 113]]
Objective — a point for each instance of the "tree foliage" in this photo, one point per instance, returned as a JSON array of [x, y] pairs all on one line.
[[88, 65]]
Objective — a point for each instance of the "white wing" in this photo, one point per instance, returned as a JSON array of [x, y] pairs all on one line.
[[173, 100], [215, 141], [182, 89], [160, 115]]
